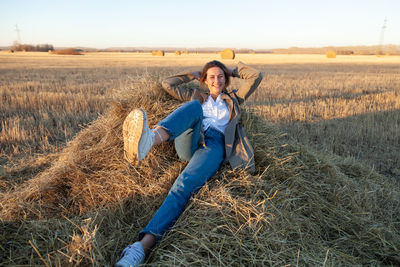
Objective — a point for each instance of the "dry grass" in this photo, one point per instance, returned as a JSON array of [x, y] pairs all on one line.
[[133, 60], [80, 203], [48, 103], [347, 109]]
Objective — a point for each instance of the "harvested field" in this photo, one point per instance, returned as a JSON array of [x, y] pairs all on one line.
[[67, 197]]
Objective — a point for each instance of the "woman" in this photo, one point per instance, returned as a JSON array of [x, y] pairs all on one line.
[[206, 131]]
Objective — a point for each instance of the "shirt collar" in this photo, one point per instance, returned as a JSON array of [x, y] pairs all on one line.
[[219, 98]]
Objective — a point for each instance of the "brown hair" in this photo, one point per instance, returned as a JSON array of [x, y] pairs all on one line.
[[211, 64]]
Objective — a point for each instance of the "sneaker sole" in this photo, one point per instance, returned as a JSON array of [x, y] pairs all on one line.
[[132, 132]]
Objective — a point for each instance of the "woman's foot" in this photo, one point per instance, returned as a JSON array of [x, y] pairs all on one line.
[[138, 138], [133, 255]]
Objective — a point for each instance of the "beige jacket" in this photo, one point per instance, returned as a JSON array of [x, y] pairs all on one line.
[[239, 152]]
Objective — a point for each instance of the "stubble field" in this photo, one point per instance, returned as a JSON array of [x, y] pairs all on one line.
[[347, 107]]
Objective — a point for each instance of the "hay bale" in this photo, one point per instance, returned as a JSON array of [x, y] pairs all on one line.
[[158, 53], [67, 51], [227, 54], [345, 52], [178, 53], [331, 54]]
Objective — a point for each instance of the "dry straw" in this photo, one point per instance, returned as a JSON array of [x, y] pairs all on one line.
[[227, 54], [299, 208]]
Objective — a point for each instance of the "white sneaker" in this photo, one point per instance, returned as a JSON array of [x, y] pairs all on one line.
[[132, 256], [138, 138]]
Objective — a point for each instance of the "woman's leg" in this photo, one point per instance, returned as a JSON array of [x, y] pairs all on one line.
[[138, 138], [187, 116], [148, 241], [204, 164], [160, 135]]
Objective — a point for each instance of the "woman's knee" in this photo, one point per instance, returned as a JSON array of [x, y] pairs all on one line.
[[195, 108]]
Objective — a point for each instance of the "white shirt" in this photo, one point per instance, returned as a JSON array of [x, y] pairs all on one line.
[[215, 114]]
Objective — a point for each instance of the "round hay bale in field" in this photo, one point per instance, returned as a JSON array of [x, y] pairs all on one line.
[[228, 54], [178, 53], [67, 51], [159, 53], [331, 54]]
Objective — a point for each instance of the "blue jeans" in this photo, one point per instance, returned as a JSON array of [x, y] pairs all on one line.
[[204, 163]]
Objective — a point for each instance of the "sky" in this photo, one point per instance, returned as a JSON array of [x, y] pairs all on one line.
[[253, 24]]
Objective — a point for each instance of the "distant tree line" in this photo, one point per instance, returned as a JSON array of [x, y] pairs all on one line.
[[30, 48], [342, 50]]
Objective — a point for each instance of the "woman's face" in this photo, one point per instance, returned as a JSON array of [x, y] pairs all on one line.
[[215, 80]]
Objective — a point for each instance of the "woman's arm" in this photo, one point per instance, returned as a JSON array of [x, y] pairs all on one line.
[[251, 78], [172, 85]]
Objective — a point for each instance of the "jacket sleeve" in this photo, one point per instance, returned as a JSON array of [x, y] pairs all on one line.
[[251, 78], [173, 86]]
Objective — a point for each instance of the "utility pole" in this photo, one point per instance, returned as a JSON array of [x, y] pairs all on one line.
[[381, 38], [18, 35]]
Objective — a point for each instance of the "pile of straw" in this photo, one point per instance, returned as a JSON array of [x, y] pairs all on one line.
[[300, 208]]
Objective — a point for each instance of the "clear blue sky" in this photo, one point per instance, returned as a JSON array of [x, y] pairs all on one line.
[[252, 24]]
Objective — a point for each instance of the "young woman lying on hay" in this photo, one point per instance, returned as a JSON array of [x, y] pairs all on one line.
[[206, 132]]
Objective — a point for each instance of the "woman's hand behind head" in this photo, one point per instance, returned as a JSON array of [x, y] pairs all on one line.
[[197, 75]]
